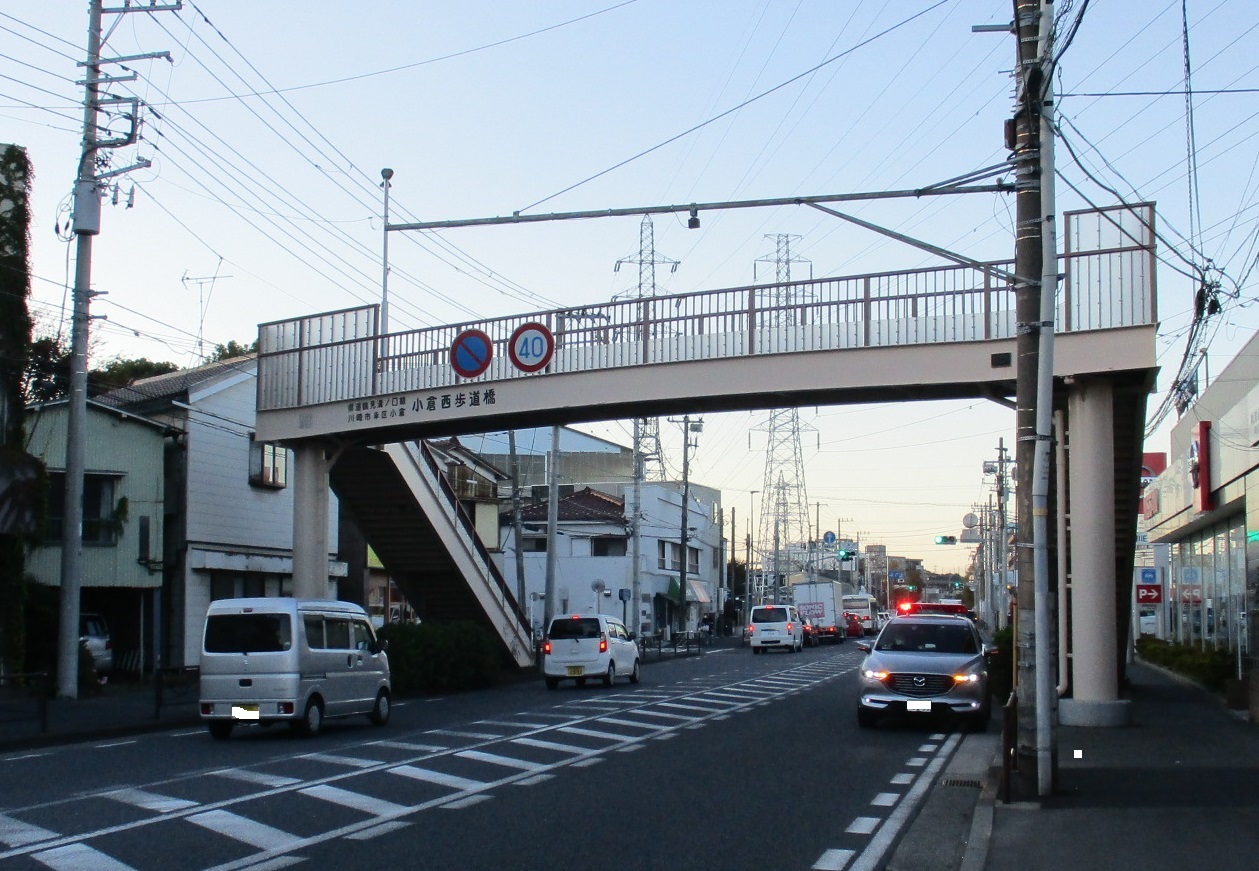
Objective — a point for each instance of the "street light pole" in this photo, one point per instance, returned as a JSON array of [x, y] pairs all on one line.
[[386, 174]]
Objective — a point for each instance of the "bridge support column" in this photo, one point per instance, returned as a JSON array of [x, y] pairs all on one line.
[[310, 521], [1095, 683]]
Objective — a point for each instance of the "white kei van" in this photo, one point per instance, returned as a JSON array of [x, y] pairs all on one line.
[[297, 660]]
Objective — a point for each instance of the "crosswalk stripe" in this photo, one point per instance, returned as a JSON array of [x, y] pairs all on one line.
[[495, 759], [438, 777], [663, 714], [243, 829], [79, 857], [258, 777], [550, 745], [408, 745], [636, 724], [377, 807], [150, 801], [479, 736], [16, 833], [595, 733], [337, 759]]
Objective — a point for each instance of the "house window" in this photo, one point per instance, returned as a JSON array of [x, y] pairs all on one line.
[[268, 465], [692, 560], [669, 555], [100, 527], [607, 546], [534, 545]]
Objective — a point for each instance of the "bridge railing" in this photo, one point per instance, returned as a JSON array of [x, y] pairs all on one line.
[[1108, 271]]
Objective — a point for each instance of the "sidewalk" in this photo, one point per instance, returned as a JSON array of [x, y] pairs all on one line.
[[115, 711], [1176, 789]]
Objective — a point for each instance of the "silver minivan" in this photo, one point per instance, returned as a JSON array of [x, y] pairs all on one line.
[[296, 660]]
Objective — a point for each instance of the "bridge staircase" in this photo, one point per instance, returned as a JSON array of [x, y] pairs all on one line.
[[406, 508]]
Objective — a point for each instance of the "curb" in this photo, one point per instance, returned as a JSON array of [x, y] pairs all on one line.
[[975, 856]]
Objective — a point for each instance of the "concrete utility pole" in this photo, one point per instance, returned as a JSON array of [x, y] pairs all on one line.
[[686, 508], [1029, 133], [86, 224], [552, 528], [636, 534], [517, 526]]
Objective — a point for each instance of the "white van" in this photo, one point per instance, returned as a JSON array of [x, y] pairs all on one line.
[[298, 660], [776, 626]]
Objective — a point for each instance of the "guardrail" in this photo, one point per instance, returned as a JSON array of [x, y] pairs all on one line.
[[1108, 269]]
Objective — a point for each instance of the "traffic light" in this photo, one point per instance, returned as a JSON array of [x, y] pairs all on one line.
[[844, 554], [946, 539]]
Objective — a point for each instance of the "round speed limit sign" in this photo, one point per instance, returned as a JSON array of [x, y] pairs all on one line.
[[531, 347]]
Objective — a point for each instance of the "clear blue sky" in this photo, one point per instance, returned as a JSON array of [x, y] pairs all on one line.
[[268, 131]]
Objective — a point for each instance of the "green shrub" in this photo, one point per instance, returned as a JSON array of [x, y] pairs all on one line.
[[1210, 667], [434, 657]]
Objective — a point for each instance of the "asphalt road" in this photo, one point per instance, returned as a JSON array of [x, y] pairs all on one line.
[[725, 760]]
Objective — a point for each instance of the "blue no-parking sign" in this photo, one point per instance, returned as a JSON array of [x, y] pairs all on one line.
[[470, 353]]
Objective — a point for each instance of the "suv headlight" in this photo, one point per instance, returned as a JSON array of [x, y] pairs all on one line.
[[967, 677], [871, 674]]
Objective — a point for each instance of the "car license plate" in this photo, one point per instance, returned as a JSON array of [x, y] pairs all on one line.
[[914, 705], [245, 712], [576, 670], [769, 632]]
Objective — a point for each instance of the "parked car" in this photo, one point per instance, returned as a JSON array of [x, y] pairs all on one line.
[[580, 646], [275, 659], [94, 635], [776, 626], [926, 664]]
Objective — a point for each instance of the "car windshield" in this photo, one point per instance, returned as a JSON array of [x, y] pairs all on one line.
[[582, 627], [248, 633], [927, 638], [769, 615]]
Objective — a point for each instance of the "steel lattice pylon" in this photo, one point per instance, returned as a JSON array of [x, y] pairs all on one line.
[[647, 259], [783, 527]]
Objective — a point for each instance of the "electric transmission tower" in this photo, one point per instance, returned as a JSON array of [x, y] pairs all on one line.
[[784, 522], [648, 429]]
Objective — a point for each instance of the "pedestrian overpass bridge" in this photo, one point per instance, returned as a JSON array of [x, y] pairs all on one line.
[[352, 402]]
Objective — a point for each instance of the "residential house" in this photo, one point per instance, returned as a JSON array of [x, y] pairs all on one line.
[[228, 530], [123, 520]]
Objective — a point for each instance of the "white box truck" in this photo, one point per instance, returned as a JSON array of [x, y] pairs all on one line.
[[822, 603]]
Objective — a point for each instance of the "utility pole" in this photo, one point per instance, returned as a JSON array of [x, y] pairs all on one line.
[[87, 224], [687, 428], [517, 526], [636, 533], [552, 528], [1028, 134]]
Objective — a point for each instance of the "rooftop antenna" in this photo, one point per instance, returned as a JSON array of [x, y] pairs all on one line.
[[205, 290]]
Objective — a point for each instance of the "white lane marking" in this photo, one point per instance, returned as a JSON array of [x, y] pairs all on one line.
[[495, 759], [337, 759], [113, 744], [633, 724], [79, 857], [186, 733], [16, 833], [917, 762], [586, 763], [902, 779], [939, 736], [258, 777], [467, 801], [928, 748], [150, 801], [663, 715], [833, 860], [377, 831], [25, 756], [551, 745], [595, 733], [630, 748], [537, 778], [698, 708], [407, 745], [872, 856], [376, 807], [438, 777], [863, 825], [479, 736], [885, 799], [511, 724], [243, 829]]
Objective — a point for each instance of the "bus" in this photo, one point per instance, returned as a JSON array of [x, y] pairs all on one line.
[[866, 609]]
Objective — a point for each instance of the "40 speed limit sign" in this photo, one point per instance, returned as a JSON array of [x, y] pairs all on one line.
[[531, 347]]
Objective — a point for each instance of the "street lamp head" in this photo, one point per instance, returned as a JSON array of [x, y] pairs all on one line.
[[386, 173]]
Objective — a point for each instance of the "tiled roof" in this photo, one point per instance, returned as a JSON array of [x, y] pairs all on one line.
[[586, 505], [173, 385]]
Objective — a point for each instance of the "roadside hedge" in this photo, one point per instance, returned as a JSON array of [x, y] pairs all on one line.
[[1209, 667], [434, 657]]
